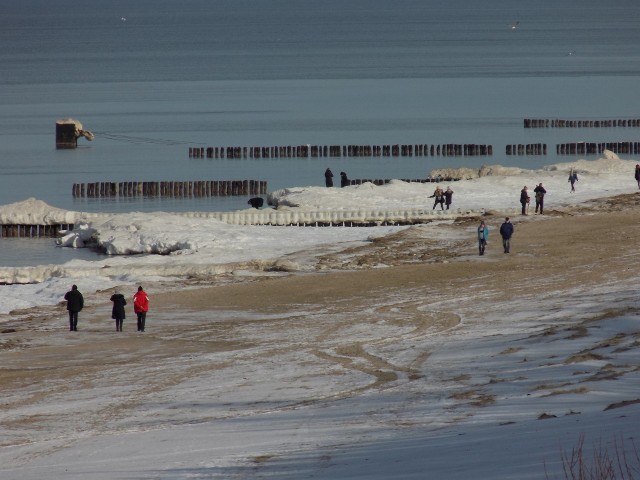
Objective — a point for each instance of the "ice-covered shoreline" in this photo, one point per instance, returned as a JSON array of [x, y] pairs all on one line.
[[145, 246]]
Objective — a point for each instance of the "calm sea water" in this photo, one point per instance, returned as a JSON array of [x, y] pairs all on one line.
[[152, 77]]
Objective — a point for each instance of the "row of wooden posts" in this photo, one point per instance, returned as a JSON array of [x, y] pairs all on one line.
[[556, 123], [528, 149], [32, 231], [581, 148], [575, 148], [199, 188], [320, 151], [451, 150]]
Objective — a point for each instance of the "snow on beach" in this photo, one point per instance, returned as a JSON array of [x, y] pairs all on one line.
[[497, 399], [198, 245]]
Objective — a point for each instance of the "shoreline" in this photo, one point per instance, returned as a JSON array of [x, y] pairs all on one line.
[[353, 330], [403, 251]]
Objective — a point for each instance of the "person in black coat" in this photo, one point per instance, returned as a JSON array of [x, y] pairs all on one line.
[[506, 230], [328, 177], [524, 199], [75, 303], [448, 197], [117, 313], [540, 192], [344, 181]]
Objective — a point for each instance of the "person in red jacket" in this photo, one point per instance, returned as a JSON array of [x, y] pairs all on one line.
[[141, 307]]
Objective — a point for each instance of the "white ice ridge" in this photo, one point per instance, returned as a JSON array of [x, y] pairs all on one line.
[[36, 212], [292, 217]]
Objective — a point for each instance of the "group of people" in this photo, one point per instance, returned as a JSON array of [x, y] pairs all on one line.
[[539, 193], [328, 179], [506, 229], [75, 303], [506, 232], [442, 197]]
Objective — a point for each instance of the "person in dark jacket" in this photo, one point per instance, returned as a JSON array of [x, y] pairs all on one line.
[[448, 197], [506, 230], [524, 200], [75, 303], [540, 193], [637, 174], [328, 178], [117, 313], [344, 181]]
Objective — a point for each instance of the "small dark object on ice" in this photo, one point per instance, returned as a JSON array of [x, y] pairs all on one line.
[[256, 202]]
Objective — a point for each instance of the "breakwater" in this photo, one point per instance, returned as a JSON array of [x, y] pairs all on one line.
[[322, 151], [528, 149], [557, 123], [380, 181], [587, 148], [33, 231], [284, 217], [338, 218], [176, 189]]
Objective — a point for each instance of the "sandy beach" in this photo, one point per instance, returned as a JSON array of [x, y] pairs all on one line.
[[367, 319], [556, 251]]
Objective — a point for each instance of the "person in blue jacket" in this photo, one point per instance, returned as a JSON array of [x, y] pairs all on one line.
[[540, 193], [573, 178], [483, 236], [506, 230]]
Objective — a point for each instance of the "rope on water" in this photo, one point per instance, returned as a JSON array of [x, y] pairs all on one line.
[[138, 140]]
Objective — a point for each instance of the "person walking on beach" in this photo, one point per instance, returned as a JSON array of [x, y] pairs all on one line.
[[328, 178], [141, 307], [344, 181], [524, 200], [438, 194], [448, 196], [75, 303], [638, 174], [573, 178], [506, 230], [483, 236], [540, 193], [117, 312]]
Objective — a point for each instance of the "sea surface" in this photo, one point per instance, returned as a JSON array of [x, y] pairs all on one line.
[[151, 78]]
